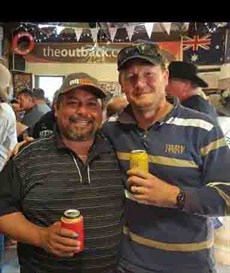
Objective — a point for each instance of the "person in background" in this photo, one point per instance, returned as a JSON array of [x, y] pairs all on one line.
[[33, 111], [17, 109], [8, 134], [201, 93], [221, 102], [21, 128], [115, 105], [74, 168], [39, 99], [168, 210], [184, 83], [44, 127]]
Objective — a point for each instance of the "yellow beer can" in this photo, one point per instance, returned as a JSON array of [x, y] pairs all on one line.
[[139, 159]]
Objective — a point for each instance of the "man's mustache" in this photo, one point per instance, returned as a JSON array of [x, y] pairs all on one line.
[[78, 119]]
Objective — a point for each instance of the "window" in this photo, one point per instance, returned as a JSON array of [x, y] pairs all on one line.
[[50, 84]]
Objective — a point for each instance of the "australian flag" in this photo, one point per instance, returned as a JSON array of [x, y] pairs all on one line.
[[205, 49]]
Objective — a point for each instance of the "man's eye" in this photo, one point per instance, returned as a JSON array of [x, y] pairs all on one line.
[[131, 77], [149, 74], [72, 102], [92, 104]]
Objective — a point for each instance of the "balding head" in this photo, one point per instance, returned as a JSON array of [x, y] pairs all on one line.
[[116, 105]]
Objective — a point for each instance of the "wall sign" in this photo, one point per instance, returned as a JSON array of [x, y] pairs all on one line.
[[90, 53]]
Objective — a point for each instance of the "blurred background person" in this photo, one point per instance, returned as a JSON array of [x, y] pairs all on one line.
[[33, 111], [44, 127], [115, 105], [8, 134], [17, 109], [40, 99], [185, 84], [222, 104], [20, 127]]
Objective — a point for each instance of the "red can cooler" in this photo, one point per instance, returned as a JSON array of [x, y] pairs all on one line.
[[73, 220]]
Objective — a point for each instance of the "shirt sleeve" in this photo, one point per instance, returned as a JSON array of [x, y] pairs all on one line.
[[8, 134], [3, 151], [213, 198], [10, 191]]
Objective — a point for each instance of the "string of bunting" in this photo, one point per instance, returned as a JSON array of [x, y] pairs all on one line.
[[105, 32], [43, 32]]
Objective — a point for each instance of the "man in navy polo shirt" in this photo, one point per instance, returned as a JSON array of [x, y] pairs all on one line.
[[168, 210]]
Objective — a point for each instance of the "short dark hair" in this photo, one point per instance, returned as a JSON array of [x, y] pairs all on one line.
[[39, 93], [26, 91]]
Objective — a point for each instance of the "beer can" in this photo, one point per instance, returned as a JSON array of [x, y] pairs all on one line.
[[139, 160], [73, 220]]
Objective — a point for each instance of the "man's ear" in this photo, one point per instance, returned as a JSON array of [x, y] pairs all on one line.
[[55, 107], [120, 80], [122, 90], [166, 76]]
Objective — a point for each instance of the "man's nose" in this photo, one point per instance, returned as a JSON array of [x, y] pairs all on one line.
[[140, 81], [82, 109]]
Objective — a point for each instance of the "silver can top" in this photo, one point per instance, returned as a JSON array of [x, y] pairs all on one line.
[[72, 213], [138, 152]]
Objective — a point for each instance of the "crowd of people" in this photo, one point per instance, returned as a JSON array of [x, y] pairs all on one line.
[[135, 222]]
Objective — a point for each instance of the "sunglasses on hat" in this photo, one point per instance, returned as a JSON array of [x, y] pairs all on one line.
[[150, 52]]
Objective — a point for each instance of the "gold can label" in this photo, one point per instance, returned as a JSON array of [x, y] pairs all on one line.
[[139, 159]]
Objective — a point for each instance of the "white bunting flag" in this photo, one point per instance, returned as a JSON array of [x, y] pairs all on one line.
[[130, 31], [167, 27], [94, 33], [149, 28], [112, 32], [78, 32], [59, 29]]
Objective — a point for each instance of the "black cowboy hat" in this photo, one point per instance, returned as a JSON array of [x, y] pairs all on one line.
[[187, 71]]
